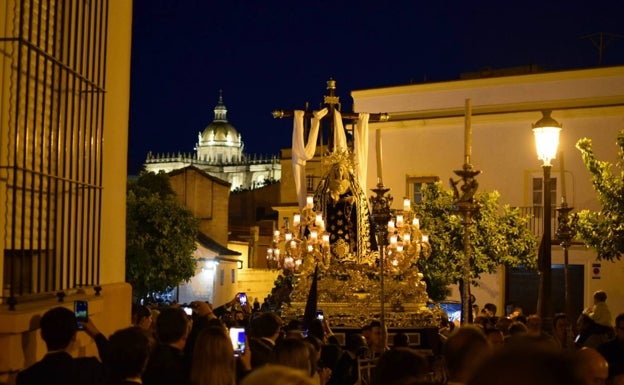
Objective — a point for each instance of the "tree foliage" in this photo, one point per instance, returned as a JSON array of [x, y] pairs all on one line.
[[499, 236], [604, 229], [160, 236]]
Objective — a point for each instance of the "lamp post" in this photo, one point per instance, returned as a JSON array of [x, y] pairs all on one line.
[[565, 233], [546, 131], [380, 214]]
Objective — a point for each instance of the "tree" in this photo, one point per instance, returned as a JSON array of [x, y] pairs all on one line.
[[160, 236], [604, 229], [499, 236]]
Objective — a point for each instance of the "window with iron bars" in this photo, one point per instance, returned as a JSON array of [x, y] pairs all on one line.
[[52, 93]]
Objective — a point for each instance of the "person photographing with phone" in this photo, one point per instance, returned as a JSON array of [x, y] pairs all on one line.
[[58, 327]]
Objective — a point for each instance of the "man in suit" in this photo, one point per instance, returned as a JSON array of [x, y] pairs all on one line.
[[58, 330], [168, 364], [265, 330]]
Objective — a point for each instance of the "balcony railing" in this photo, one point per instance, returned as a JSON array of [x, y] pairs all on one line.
[[535, 222]]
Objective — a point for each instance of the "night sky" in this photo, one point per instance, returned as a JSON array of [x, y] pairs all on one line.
[[267, 55]]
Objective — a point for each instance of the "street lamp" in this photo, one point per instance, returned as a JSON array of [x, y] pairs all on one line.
[[546, 131]]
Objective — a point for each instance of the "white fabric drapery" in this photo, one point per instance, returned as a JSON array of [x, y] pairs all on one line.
[[340, 138], [360, 148], [302, 152]]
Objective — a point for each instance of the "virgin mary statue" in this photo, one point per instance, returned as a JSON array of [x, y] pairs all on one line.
[[339, 195], [342, 200]]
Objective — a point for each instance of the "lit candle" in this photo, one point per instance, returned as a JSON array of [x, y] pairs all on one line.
[[318, 220], [407, 205], [269, 253], [407, 238], [468, 132], [325, 239], [425, 238], [309, 202], [416, 222], [563, 184], [399, 248], [310, 248], [393, 240], [288, 236], [390, 225], [399, 220], [293, 244], [378, 152], [296, 219], [276, 252], [313, 236]]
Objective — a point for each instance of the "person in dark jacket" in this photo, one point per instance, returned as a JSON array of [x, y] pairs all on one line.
[[167, 364], [129, 349], [58, 330]]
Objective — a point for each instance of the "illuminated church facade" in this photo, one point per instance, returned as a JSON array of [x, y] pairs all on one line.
[[219, 152]]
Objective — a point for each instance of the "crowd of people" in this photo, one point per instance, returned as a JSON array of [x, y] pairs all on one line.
[[173, 346]]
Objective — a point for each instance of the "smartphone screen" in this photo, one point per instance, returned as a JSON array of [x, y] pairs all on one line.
[[242, 298], [319, 314], [81, 310], [188, 310], [237, 335]]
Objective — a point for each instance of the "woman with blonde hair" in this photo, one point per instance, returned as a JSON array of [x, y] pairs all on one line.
[[213, 361]]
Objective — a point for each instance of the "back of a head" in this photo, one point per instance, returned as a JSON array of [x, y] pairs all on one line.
[[129, 350], [400, 366], [140, 312], [265, 325], [292, 352], [316, 329], [58, 328], [400, 340], [171, 325], [517, 328], [591, 366], [213, 360], [600, 296], [277, 375], [294, 324], [464, 349], [355, 342], [522, 364]]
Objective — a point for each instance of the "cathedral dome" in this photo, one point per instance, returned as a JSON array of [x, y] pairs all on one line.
[[220, 132]]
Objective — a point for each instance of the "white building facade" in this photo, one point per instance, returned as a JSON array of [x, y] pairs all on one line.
[[424, 142]]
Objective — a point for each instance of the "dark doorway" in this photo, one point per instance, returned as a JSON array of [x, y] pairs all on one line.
[[521, 289]]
